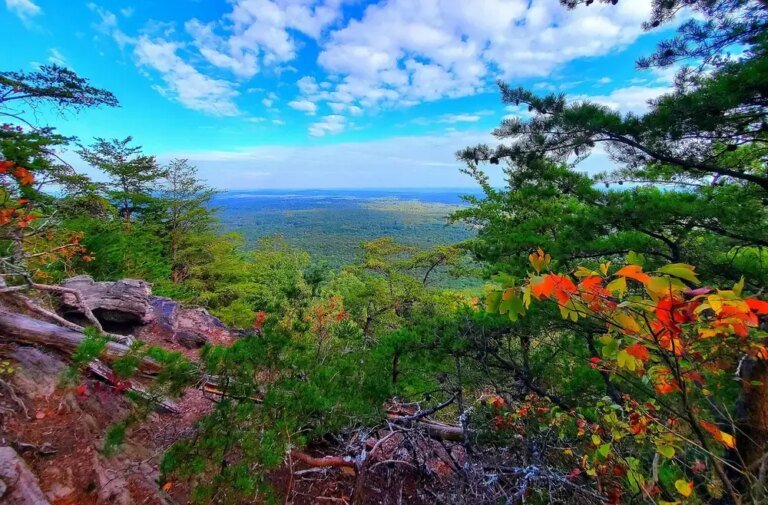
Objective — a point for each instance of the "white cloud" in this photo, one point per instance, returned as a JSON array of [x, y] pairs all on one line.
[[127, 11], [241, 62], [630, 99], [24, 9], [304, 105], [270, 99], [261, 32], [183, 82], [57, 58], [403, 52], [108, 26], [278, 122], [604, 80], [328, 125], [460, 118]]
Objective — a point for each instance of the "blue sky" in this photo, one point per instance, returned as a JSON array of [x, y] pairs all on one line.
[[327, 93]]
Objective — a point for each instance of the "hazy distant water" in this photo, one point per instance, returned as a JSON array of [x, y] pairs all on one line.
[[330, 224]]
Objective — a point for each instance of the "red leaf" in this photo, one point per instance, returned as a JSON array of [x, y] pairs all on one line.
[[758, 306], [638, 351]]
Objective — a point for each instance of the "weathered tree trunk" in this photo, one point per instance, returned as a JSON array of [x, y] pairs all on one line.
[[27, 330], [752, 413]]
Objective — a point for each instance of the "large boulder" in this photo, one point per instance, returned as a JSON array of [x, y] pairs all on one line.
[[123, 302], [18, 485], [189, 327]]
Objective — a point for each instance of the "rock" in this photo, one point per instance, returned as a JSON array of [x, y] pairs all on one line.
[[37, 373], [199, 322], [165, 313], [58, 492], [113, 487], [191, 339], [21, 486], [189, 327], [122, 302]]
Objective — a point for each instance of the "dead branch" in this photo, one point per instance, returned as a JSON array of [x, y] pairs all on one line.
[[324, 462], [103, 372]]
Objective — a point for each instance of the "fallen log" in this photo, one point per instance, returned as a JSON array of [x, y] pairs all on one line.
[[103, 372], [27, 330]]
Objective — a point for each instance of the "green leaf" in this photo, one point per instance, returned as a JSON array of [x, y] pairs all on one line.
[[610, 348], [738, 287], [667, 451], [682, 271], [634, 258], [492, 302], [625, 360], [618, 286]]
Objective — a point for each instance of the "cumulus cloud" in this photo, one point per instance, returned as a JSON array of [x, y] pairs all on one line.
[[261, 31], [404, 52], [391, 53], [183, 82], [330, 124], [24, 9], [270, 99], [304, 105]]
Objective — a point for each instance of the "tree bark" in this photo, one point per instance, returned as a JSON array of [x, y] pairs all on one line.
[[752, 412], [27, 330]]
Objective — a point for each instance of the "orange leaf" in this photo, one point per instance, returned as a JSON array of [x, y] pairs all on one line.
[[539, 259], [545, 288], [167, 486], [24, 176], [638, 351], [634, 272], [724, 438]]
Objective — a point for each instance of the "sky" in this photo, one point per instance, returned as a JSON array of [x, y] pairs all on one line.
[[327, 93]]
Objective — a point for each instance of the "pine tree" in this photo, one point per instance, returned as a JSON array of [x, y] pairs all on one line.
[[188, 213], [132, 174]]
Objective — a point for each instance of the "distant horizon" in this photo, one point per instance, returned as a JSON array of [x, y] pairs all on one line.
[[380, 189]]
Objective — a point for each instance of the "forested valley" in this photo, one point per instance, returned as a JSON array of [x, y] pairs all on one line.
[[612, 346]]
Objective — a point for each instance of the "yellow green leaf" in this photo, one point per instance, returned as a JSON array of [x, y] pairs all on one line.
[[618, 285], [667, 451], [625, 360], [681, 270], [684, 487], [663, 286], [739, 287]]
